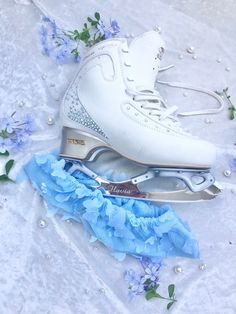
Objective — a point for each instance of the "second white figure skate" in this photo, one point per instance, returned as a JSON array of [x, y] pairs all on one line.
[[112, 105]]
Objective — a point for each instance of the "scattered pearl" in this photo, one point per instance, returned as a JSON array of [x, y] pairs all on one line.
[[185, 94], [21, 104], [68, 221], [181, 56], [227, 69], [127, 35], [132, 35], [233, 191], [202, 266], [52, 85], [157, 29], [86, 291], [227, 173], [42, 224], [190, 49], [219, 60], [178, 269], [208, 121], [50, 121], [194, 57], [44, 76]]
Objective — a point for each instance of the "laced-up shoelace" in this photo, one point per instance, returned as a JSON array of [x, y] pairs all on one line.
[[152, 100]]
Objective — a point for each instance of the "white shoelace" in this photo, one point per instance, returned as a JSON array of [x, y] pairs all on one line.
[[152, 100]]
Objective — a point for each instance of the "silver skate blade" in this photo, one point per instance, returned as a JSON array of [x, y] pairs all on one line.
[[177, 196]]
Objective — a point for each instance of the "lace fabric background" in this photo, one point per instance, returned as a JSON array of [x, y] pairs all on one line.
[[56, 270]]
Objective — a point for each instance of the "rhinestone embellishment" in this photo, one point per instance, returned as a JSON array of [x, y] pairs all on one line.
[[78, 113]]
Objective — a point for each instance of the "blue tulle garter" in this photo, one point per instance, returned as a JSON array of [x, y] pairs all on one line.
[[126, 226]]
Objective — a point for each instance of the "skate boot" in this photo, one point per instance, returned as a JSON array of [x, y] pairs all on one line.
[[112, 105]]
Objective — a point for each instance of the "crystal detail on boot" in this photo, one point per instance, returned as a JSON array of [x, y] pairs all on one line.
[[78, 113]]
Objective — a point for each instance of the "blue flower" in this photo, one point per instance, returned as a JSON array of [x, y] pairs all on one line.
[[152, 272], [104, 31], [136, 283], [115, 27], [131, 276], [8, 124], [46, 19], [61, 56], [4, 143], [29, 125], [77, 58], [19, 140], [233, 164]]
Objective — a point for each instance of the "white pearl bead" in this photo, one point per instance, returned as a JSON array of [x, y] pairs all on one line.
[[181, 56], [190, 49], [42, 224], [21, 104], [208, 121], [132, 35], [194, 57], [219, 60], [202, 266], [50, 121], [52, 85], [227, 69], [185, 94], [227, 173], [44, 76], [178, 269]]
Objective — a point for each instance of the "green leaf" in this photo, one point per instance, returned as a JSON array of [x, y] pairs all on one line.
[[94, 23], [171, 290], [150, 294], [9, 165], [97, 16], [169, 305], [89, 19], [231, 113], [6, 153], [74, 51], [4, 177]]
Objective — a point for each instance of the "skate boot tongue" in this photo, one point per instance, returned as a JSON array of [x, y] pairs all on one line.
[[146, 52]]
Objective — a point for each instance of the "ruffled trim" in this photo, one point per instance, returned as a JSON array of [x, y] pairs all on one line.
[[125, 226]]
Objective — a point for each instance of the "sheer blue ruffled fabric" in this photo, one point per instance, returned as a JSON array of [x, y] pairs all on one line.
[[125, 226]]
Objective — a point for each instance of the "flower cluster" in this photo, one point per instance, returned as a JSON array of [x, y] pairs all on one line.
[[140, 283], [15, 133], [63, 46], [148, 283]]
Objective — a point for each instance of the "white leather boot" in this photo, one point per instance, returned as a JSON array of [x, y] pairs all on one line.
[[112, 104]]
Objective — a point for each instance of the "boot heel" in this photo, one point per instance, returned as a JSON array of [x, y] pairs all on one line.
[[80, 145]]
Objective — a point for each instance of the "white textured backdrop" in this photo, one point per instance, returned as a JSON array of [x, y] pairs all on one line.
[[56, 270]]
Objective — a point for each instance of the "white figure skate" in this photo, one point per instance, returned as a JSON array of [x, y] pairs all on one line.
[[112, 105]]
